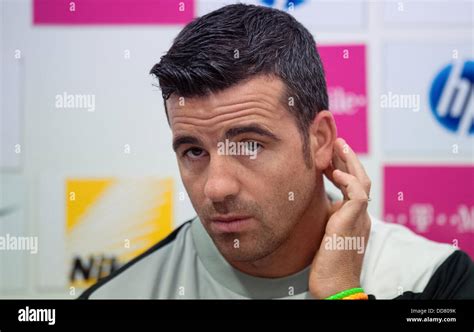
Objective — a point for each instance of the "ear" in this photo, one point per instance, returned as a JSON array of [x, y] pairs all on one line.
[[323, 134]]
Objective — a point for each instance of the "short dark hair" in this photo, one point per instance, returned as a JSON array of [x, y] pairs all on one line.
[[237, 42]]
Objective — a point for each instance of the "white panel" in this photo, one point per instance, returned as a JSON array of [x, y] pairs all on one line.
[[13, 262], [409, 70], [311, 13], [423, 12], [11, 97], [51, 264]]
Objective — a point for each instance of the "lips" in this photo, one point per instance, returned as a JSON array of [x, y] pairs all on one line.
[[229, 218], [230, 224]]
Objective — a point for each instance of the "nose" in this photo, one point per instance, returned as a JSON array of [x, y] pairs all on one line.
[[221, 180]]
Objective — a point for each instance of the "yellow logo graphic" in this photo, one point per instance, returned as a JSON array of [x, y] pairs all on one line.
[[110, 221]]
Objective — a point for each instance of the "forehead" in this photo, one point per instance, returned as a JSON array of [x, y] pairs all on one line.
[[259, 99]]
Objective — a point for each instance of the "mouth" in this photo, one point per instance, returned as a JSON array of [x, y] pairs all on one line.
[[230, 224]]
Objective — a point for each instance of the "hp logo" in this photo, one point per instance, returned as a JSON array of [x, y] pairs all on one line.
[[452, 97]]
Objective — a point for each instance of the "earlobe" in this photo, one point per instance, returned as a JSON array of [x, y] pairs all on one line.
[[323, 133]]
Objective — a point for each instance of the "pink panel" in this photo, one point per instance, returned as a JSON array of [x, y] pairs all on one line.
[[73, 12], [434, 201], [345, 67]]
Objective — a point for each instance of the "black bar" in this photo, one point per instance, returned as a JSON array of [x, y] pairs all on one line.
[[118, 313]]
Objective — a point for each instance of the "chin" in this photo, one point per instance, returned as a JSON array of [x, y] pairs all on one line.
[[248, 251], [229, 248]]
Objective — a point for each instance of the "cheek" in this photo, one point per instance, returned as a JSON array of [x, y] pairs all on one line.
[[277, 184], [194, 188], [287, 186]]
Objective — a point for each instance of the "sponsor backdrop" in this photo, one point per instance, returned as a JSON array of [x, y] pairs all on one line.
[[87, 167], [120, 218]]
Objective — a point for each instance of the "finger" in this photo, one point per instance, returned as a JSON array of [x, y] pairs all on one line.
[[339, 157], [350, 186], [328, 172], [352, 164], [336, 206], [335, 163]]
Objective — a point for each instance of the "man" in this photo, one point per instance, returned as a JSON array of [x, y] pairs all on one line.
[[250, 78]]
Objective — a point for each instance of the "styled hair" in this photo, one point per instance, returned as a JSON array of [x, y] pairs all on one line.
[[237, 42]]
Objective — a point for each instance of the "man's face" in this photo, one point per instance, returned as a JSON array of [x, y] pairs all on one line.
[[270, 190]]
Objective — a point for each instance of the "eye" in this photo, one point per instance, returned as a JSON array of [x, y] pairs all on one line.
[[194, 153]]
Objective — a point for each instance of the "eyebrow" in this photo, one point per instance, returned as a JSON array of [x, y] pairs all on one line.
[[251, 128], [185, 139], [229, 134]]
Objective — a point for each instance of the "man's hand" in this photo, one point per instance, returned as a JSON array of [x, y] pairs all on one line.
[[335, 269]]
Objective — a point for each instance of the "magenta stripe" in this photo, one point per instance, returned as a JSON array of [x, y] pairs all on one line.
[[113, 12]]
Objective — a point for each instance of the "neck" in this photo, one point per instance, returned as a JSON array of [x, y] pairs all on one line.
[[298, 251]]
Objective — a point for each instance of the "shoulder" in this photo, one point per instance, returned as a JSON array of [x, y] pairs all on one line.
[[398, 260], [138, 278], [453, 280]]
